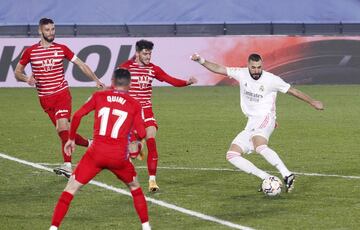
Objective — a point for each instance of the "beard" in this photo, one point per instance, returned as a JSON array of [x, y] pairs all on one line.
[[145, 62], [48, 39], [255, 76]]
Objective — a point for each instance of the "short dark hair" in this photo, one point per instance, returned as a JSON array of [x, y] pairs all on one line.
[[254, 57], [121, 77], [144, 44], [45, 21]]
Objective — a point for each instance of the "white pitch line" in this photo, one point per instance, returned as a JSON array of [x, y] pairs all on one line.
[[152, 200], [236, 170], [327, 175], [231, 170], [49, 164]]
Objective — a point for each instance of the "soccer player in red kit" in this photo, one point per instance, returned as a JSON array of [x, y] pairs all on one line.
[[143, 72], [115, 114], [46, 59]]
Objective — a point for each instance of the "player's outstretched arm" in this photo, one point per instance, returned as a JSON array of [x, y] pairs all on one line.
[[304, 97], [213, 67], [20, 76], [161, 75], [89, 73], [75, 122]]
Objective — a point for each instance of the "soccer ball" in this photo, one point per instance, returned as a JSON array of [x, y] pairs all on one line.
[[271, 186]]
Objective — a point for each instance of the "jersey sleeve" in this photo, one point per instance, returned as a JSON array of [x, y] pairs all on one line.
[[68, 53], [85, 109], [234, 72], [280, 85], [161, 75], [25, 57], [139, 122]]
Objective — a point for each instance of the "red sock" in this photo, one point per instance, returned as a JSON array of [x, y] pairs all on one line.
[[64, 136], [79, 140], [152, 159], [140, 205], [61, 208]]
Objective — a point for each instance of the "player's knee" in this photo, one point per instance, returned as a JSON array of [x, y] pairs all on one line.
[[73, 186], [62, 124], [150, 132], [150, 135], [260, 148], [62, 127], [133, 185], [231, 154]]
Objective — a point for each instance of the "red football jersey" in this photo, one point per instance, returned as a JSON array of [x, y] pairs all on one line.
[[48, 67], [115, 113], [142, 78]]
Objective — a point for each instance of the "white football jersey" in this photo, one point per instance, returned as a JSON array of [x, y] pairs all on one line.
[[257, 97]]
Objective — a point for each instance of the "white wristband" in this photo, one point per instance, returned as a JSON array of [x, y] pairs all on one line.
[[201, 60]]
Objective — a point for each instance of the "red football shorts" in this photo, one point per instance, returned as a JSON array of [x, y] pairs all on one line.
[[149, 120], [94, 162], [57, 106], [148, 117]]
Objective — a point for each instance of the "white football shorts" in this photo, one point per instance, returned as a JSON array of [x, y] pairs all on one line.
[[256, 126]]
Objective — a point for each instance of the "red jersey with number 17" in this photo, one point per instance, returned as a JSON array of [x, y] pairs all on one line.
[[48, 67], [115, 113]]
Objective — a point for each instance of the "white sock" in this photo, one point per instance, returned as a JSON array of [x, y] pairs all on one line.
[[273, 158], [152, 177], [67, 164], [53, 227], [146, 226], [241, 163]]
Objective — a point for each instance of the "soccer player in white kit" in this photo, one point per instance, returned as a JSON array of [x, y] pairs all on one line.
[[258, 91]]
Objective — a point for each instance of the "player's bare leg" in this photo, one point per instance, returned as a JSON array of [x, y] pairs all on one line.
[[64, 202], [140, 203], [62, 127], [152, 159], [261, 147]]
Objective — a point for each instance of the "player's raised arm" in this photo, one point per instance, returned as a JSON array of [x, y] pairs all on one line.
[[88, 72], [304, 97], [213, 67]]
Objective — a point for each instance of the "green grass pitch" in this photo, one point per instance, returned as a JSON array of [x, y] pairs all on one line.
[[196, 126]]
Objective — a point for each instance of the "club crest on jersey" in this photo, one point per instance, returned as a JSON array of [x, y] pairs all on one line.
[[151, 72], [143, 81], [262, 88], [48, 64]]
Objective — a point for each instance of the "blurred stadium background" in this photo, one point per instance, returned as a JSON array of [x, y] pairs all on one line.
[[305, 42]]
